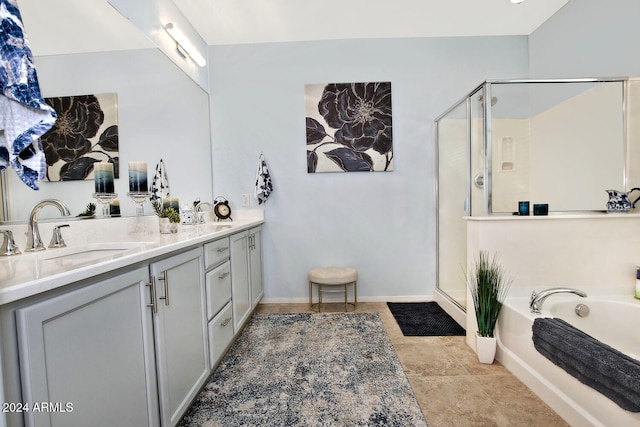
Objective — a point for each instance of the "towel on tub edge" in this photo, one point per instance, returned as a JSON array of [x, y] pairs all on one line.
[[601, 367]]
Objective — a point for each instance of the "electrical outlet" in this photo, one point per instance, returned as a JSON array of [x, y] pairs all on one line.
[[245, 200]]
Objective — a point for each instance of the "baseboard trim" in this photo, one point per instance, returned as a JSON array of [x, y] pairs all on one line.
[[410, 298]]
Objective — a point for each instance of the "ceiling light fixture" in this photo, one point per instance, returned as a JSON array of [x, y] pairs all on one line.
[[516, 1], [183, 45]]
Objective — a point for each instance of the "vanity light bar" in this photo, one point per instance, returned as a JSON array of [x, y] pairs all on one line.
[[184, 45]]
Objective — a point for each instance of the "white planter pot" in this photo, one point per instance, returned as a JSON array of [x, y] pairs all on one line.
[[167, 227], [486, 349]]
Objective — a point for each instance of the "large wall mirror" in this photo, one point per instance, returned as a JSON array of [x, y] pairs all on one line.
[[86, 47]]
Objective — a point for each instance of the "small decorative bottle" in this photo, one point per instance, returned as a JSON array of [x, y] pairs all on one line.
[[638, 282], [186, 215]]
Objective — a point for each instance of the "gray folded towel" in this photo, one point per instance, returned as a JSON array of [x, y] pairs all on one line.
[[605, 369]]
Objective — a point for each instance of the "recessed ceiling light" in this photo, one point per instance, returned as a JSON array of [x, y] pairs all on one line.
[[516, 1]]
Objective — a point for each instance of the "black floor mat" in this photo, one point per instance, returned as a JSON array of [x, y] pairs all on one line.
[[424, 319]]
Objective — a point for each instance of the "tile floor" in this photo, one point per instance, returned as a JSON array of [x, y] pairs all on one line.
[[453, 389]]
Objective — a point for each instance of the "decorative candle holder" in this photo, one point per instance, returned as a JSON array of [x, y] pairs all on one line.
[[105, 200], [139, 197]]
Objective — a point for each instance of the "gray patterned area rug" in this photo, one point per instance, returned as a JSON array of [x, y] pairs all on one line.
[[309, 369]]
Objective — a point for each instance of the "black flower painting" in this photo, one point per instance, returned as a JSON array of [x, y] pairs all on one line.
[[85, 132], [349, 127]]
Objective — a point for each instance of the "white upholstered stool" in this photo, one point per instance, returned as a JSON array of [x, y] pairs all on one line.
[[333, 280]]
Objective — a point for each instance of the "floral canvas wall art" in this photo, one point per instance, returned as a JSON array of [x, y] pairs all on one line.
[[349, 127], [85, 132]]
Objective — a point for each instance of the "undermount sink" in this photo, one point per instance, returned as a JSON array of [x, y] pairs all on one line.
[[213, 227], [88, 252], [50, 261]]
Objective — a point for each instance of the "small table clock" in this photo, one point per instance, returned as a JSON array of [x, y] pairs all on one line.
[[221, 209]]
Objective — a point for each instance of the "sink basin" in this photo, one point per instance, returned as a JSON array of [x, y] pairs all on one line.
[[88, 252], [52, 261], [213, 227]]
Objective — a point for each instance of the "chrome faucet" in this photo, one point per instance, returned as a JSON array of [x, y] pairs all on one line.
[[199, 217], [9, 247], [535, 303], [34, 242]]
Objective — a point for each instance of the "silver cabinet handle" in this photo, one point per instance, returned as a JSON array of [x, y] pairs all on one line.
[[226, 248], [225, 322], [153, 304], [165, 279], [223, 275]]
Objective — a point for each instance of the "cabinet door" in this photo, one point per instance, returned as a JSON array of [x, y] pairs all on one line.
[[90, 353], [255, 265], [241, 292], [181, 332]]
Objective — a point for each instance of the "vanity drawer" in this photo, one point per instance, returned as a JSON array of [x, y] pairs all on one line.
[[218, 284], [220, 334], [216, 252]]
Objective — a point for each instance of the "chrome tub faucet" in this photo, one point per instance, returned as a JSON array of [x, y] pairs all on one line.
[[535, 303]]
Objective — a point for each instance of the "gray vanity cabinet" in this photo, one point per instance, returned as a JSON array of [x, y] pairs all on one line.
[[88, 356], [240, 287], [219, 307], [255, 265], [246, 274], [180, 320], [132, 347]]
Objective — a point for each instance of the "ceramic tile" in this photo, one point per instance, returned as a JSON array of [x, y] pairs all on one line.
[[455, 401], [519, 404], [424, 360]]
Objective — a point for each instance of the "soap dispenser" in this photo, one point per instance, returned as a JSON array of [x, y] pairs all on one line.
[[186, 215]]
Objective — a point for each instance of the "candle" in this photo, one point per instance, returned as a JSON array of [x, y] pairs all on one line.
[[138, 177], [103, 177], [171, 202], [114, 208]]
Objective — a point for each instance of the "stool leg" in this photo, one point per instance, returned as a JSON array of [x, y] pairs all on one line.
[[319, 297], [355, 293], [345, 297], [310, 296]]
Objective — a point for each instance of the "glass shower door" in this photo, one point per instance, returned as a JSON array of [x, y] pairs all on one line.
[[453, 201]]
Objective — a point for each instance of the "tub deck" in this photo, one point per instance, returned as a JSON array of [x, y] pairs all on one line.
[[577, 403]]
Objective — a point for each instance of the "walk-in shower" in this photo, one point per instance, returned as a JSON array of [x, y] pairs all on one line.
[[560, 142]]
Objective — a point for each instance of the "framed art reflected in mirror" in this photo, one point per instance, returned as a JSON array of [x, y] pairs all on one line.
[[85, 132]]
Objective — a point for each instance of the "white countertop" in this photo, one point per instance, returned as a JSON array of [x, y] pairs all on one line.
[[32, 273]]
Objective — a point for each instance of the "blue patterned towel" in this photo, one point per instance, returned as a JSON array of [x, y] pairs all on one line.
[[24, 116], [264, 187]]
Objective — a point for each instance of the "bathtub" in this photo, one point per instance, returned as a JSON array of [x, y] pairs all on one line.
[[612, 320]]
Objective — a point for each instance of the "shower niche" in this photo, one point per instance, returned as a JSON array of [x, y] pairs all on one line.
[[560, 142]]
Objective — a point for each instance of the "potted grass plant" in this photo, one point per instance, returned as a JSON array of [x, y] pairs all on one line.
[[489, 286], [169, 218]]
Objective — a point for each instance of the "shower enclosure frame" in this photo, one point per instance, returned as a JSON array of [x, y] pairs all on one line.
[[485, 89]]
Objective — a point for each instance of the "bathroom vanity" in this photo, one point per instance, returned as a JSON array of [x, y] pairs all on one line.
[[125, 332]]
